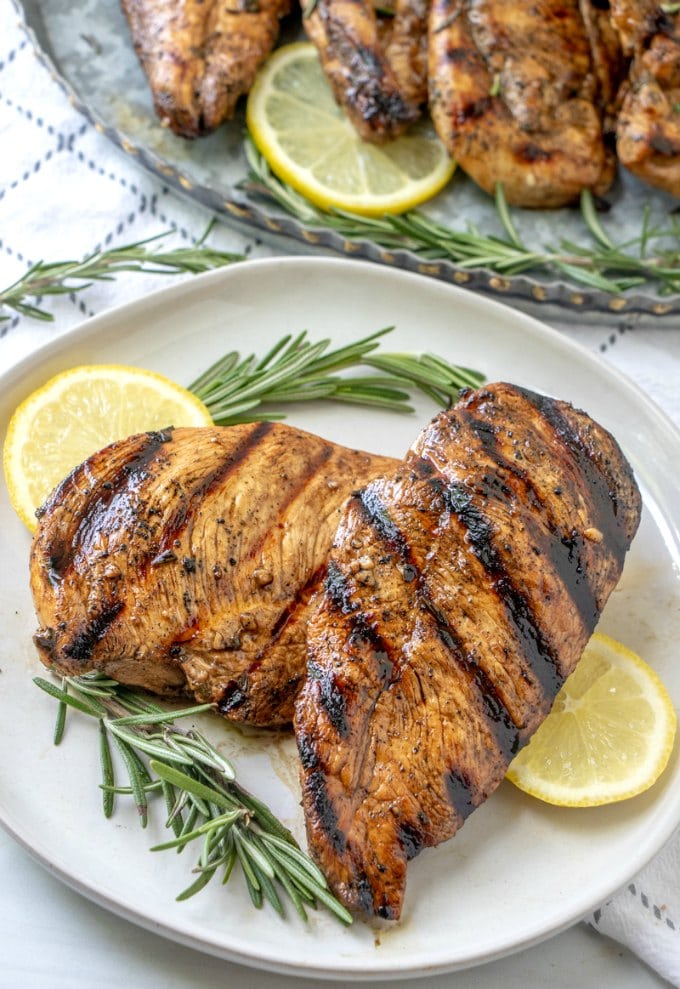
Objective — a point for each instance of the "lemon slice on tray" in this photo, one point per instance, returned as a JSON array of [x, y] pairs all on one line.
[[77, 413], [309, 143], [608, 737]]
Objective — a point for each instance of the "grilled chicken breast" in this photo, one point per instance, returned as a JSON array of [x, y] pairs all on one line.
[[461, 591], [648, 125], [184, 561], [513, 97], [200, 56], [349, 41], [610, 66], [406, 49]]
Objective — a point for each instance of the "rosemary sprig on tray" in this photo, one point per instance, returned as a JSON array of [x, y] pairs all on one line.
[[65, 277], [604, 266], [235, 389], [204, 802]]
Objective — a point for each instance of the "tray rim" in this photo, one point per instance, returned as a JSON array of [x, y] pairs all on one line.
[[554, 300]]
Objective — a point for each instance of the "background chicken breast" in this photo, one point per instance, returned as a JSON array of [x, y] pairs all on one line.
[[200, 56], [350, 45], [513, 97], [648, 124], [183, 561]]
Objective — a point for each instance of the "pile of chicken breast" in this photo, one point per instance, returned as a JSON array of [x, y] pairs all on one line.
[[543, 97]]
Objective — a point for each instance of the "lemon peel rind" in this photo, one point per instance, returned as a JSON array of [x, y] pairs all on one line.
[[55, 390], [599, 793]]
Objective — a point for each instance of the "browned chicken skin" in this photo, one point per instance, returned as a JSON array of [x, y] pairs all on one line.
[[648, 126], [406, 49], [609, 67], [200, 56], [347, 36], [184, 561], [461, 591], [512, 96]]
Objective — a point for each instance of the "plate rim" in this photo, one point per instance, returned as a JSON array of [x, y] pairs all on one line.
[[195, 285]]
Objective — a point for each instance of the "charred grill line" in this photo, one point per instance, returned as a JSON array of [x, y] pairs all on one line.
[[563, 550], [361, 635], [316, 785], [331, 697], [312, 467], [192, 500], [378, 517], [603, 496], [84, 641], [503, 729], [61, 555], [542, 659], [235, 693], [459, 790]]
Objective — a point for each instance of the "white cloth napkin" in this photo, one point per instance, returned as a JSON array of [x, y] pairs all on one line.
[[645, 916], [65, 191]]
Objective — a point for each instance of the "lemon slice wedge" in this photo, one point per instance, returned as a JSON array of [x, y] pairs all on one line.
[[608, 737], [309, 143], [77, 413]]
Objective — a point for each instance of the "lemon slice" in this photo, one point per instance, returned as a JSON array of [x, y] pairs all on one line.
[[608, 737], [77, 413], [310, 144]]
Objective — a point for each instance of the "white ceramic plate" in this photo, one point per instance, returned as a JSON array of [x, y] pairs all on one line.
[[519, 871]]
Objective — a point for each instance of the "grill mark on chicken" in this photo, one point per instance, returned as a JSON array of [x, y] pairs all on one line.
[[363, 82], [235, 695], [361, 636], [480, 536], [83, 642], [323, 806], [414, 754], [377, 514], [504, 731], [606, 515], [564, 549], [193, 499], [62, 551], [459, 789]]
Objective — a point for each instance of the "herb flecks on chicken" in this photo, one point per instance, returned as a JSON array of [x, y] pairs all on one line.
[[353, 55], [513, 96]]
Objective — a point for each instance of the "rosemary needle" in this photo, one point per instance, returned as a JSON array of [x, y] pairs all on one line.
[[297, 370], [203, 802], [64, 277], [604, 266]]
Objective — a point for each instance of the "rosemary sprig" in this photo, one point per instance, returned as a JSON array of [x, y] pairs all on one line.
[[604, 266], [237, 389], [65, 277], [204, 802]]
